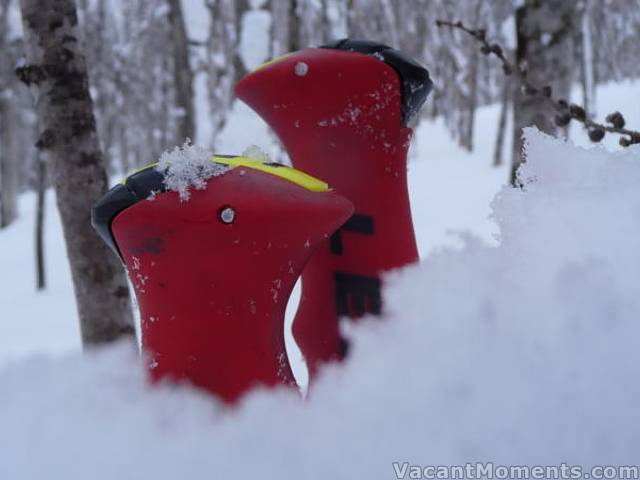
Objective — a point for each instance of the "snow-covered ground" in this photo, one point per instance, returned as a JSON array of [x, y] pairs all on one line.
[[523, 352], [515, 342]]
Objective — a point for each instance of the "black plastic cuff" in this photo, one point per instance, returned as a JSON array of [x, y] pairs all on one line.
[[136, 187]]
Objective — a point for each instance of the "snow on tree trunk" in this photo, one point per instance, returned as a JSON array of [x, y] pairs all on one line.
[[57, 73], [544, 31], [182, 73]]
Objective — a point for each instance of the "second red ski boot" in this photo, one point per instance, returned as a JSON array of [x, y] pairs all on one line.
[[212, 275], [342, 113]]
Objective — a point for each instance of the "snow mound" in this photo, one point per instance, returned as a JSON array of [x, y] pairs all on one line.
[[188, 167], [524, 353], [256, 154]]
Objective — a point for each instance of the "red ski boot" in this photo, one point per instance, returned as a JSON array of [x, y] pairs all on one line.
[[342, 112], [213, 275]]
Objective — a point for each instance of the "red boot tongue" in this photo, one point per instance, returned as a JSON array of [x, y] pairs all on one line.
[[341, 113], [212, 275]]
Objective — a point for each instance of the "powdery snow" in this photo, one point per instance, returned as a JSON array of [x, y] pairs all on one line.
[[188, 166], [524, 352]]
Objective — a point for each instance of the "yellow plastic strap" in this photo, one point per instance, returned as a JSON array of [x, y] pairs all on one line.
[[287, 173], [142, 169], [273, 60]]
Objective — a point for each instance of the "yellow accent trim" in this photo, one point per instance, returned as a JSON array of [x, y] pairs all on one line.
[[138, 170], [273, 60], [287, 173]]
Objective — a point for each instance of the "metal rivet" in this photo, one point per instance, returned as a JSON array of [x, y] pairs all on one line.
[[227, 215], [301, 69]]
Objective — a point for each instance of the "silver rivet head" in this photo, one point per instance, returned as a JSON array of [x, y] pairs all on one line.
[[227, 215], [301, 69]]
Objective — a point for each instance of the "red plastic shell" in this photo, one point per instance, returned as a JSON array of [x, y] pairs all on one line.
[[212, 295], [341, 121]]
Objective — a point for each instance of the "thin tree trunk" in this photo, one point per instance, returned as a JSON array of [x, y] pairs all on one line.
[[502, 124], [586, 61], [390, 15], [466, 140], [41, 281], [8, 191], [182, 72], [8, 157], [293, 41], [351, 19], [8, 167], [544, 31], [57, 72], [326, 22], [469, 120], [241, 7]]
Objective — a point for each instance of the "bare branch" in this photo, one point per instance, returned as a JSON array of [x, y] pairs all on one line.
[[565, 112]]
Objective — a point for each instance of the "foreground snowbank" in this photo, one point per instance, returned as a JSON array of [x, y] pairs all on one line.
[[525, 352]]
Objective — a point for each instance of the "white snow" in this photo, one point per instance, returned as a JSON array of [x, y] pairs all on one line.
[[524, 352], [186, 167], [30, 322], [256, 154]]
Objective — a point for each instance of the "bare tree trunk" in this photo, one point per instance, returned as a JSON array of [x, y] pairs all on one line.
[[326, 22], [279, 30], [41, 181], [391, 17], [285, 27], [586, 63], [224, 64], [8, 157], [8, 167], [241, 7], [373, 20], [352, 20], [544, 31], [466, 140], [502, 123], [57, 72], [293, 26], [182, 73]]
